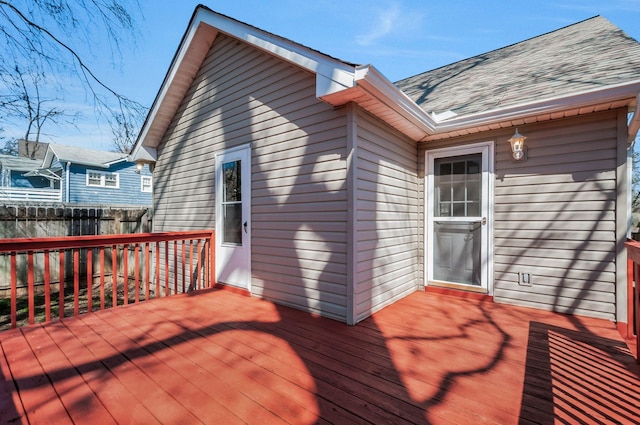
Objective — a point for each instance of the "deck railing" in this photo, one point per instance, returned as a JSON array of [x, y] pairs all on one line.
[[87, 273], [633, 293], [35, 195]]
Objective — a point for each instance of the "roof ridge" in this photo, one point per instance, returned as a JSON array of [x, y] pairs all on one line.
[[507, 46]]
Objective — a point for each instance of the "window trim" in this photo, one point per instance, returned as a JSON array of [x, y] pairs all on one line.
[[103, 175], [142, 188]]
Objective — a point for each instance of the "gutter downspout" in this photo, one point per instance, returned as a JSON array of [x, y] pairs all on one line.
[[634, 123], [68, 173]]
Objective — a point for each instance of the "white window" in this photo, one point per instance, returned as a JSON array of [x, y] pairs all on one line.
[[146, 183], [99, 179]]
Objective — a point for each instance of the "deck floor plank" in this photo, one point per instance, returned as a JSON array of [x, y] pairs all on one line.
[[11, 409], [190, 402], [119, 362], [78, 398], [230, 355], [39, 398], [103, 383], [183, 360], [217, 357]]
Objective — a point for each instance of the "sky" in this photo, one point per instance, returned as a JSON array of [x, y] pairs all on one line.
[[400, 38]]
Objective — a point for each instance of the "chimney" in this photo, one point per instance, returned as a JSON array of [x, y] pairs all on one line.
[[32, 150]]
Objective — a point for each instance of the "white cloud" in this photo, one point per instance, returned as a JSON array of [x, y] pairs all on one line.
[[385, 22]]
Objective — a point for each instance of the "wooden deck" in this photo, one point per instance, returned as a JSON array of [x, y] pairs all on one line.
[[220, 358]]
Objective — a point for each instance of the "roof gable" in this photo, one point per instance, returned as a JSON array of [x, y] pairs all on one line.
[[586, 56], [82, 156], [582, 68], [332, 75]]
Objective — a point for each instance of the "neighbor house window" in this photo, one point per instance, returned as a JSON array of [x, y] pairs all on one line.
[[98, 179], [146, 183]]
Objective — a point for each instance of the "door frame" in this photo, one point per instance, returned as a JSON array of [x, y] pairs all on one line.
[[487, 150], [243, 153]]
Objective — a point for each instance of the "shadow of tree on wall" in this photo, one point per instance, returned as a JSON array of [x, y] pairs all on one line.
[[575, 272]]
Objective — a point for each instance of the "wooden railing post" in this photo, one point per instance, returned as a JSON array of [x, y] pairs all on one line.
[[47, 287], [114, 275], [633, 293], [61, 286], [630, 279], [212, 260], [76, 282], [31, 288], [14, 290]]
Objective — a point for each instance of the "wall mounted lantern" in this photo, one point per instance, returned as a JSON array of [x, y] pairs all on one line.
[[139, 167], [517, 146]]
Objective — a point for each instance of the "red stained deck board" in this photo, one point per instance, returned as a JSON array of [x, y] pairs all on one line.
[[270, 390], [427, 359], [212, 406], [184, 401], [103, 383], [11, 409], [40, 401], [78, 398], [164, 406], [232, 356]]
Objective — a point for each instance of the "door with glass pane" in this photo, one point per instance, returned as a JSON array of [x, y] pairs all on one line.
[[457, 217], [233, 227]]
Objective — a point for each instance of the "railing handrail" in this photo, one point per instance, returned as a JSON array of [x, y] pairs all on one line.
[[187, 256], [29, 189], [72, 242]]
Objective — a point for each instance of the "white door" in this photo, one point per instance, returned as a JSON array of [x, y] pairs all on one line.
[[458, 217], [233, 217]]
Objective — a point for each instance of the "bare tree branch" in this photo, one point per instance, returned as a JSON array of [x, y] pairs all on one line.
[[31, 31]]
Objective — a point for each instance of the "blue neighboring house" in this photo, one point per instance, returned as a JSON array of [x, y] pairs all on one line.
[[18, 181], [75, 176], [96, 177]]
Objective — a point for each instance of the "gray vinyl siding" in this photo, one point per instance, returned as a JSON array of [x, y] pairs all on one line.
[[298, 147], [387, 217], [555, 214], [555, 217]]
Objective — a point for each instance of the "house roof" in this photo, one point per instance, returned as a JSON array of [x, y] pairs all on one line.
[[583, 57], [82, 156], [17, 163], [586, 67]]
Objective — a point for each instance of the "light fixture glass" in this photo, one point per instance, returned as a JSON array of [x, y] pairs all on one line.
[[517, 146], [139, 167]]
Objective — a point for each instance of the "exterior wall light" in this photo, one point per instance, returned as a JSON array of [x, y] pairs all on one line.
[[139, 167], [517, 146]]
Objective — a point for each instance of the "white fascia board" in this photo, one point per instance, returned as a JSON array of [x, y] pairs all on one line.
[[332, 74], [370, 79], [547, 106], [115, 161], [173, 70]]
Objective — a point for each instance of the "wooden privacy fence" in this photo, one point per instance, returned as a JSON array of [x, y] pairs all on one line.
[[633, 293], [97, 272]]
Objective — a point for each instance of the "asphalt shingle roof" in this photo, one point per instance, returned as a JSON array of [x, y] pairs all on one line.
[[18, 163], [588, 55], [86, 156]]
